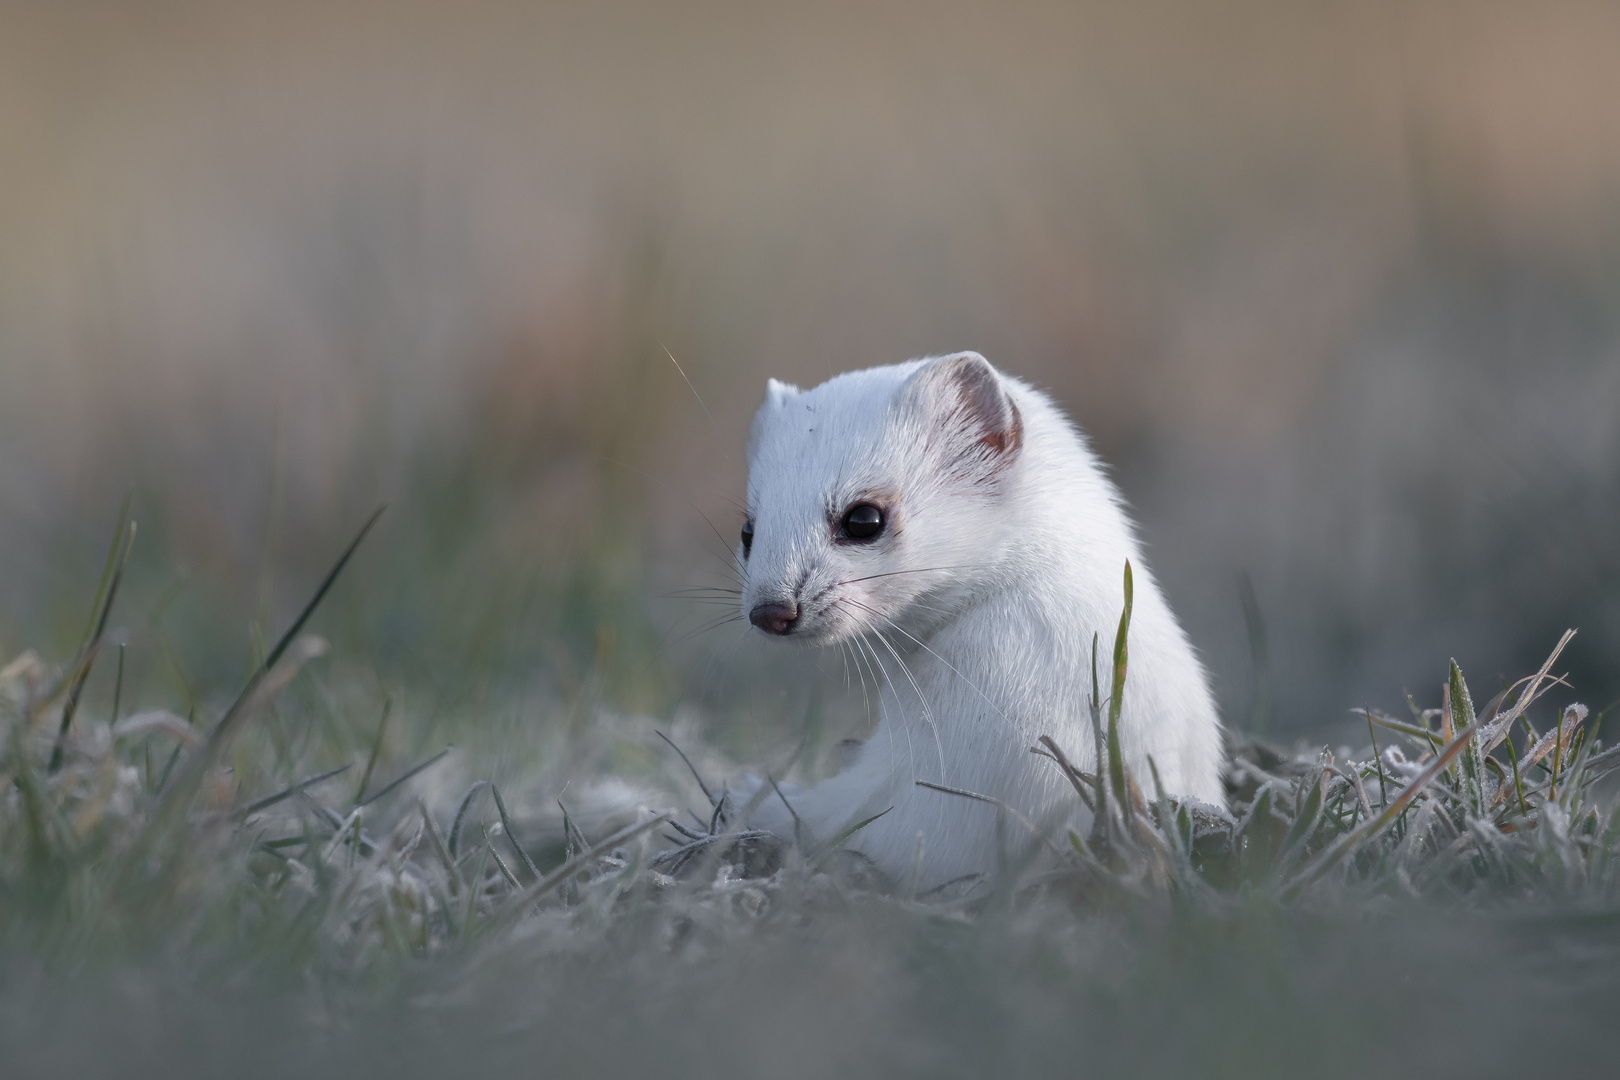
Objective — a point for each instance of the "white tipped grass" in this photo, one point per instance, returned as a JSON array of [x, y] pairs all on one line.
[[279, 862]]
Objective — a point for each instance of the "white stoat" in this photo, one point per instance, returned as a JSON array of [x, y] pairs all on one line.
[[950, 528]]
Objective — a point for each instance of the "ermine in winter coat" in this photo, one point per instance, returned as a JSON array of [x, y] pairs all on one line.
[[950, 529]]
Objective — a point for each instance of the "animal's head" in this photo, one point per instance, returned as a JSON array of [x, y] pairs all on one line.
[[874, 491]]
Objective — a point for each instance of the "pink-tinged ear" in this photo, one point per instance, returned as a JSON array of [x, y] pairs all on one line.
[[968, 411]]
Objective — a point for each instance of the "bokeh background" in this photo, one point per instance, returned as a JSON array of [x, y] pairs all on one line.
[[1335, 287]]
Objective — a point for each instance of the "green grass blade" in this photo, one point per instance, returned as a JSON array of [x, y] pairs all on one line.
[[320, 593], [1249, 839], [1378, 761], [511, 837], [461, 813], [1470, 762], [223, 728], [1299, 833], [408, 774], [1104, 822], [90, 632], [1259, 654], [105, 597], [1116, 701], [376, 749], [289, 791], [838, 841]]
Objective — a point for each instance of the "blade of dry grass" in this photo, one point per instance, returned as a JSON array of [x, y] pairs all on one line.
[[695, 776], [1076, 778], [1019, 817], [1500, 724]]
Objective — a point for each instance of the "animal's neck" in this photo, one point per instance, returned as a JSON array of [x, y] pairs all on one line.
[[1057, 555]]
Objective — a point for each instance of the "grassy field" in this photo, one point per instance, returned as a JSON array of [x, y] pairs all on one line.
[[1332, 288], [303, 876]]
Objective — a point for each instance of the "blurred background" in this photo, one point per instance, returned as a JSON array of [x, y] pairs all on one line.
[[1334, 287]]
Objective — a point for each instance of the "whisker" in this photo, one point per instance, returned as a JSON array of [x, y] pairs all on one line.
[[919, 570], [729, 548], [730, 562], [860, 674], [711, 624], [928, 712], [709, 674], [706, 414], [823, 593], [900, 709], [704, 629], [974, 686], [862, 652]]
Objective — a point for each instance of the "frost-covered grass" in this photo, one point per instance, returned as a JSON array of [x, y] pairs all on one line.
[[251, 893]]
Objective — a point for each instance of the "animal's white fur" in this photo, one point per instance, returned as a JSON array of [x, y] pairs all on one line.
[[974, 610]]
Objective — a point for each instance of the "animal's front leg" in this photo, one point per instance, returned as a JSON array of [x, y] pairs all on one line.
[[816, 818]]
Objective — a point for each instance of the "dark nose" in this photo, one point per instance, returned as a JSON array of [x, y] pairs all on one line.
[[775, 617]]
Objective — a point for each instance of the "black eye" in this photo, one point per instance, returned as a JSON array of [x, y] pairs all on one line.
[[863, 521], [747, 538]]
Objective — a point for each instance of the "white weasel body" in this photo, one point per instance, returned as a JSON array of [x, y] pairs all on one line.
[[1000, 554]]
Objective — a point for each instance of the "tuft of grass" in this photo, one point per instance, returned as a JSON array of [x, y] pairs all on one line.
[[1456, 816]]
